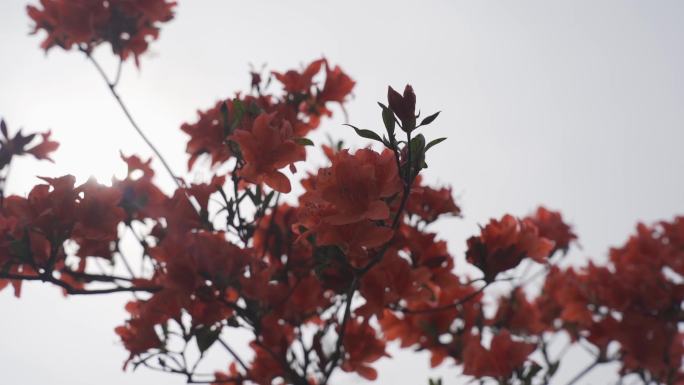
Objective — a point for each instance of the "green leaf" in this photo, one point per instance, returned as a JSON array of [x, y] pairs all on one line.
[[386, 142], [418, 144], [388, 120], [238, 111], [303, 141], [429, 119], [205, 337], [238, 107], [434, 143], [368, 134], [417, 147]]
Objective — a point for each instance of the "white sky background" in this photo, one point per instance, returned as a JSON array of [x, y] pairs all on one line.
[[576, 105]]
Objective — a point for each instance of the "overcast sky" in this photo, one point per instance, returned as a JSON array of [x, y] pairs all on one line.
[[576, 105]]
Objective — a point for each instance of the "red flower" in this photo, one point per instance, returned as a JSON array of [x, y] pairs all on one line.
[[337, 85], [429, 318], [429, 204], [208, 135], [551, 226], [504, 244], [295, 82], [426, 250], [267, 148], [632, 300], [504, 356], [34, 229], [302, 299], [393, 279], [354, 238], [565, 296], [345, 203], [16, 145], [362, 347], [301, 105], [231, 377], [274, 237], [195, 257], [127, 25], [136, 165], [49, 207], [355, 186], [138, 334], [518, 315], [97, 217], [202, 191], [140, 198], [264, 367], [43, 149], [305, 101]]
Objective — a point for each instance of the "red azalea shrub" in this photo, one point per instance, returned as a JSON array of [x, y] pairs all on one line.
[[326, 283]]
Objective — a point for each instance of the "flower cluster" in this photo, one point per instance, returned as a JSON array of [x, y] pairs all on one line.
[[634, 300], [429, 204], [267, 148], [348, 237], [127, 25], [266, 132], [344, 202], [451, 322], [504, 244], [35, 229], [551, 226]]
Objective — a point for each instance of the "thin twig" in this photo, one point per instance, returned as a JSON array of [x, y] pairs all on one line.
[[234, 354], [448, 306], [118, 73], [584, 372], [115, 94], [343, 329], [95, 277], [74, 291]]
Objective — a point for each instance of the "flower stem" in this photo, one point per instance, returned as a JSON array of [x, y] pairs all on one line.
[[117, 97]]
